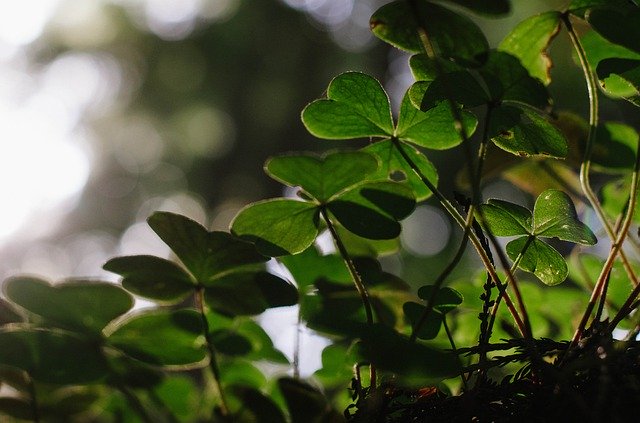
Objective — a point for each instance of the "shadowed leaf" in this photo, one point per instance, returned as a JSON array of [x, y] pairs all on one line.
[[540, 259], [152, 277], [87, 306]]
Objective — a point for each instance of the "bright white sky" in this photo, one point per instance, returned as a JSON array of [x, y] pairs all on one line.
[[41, 161]]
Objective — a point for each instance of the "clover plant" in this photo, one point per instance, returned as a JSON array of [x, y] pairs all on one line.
[[440, 348]]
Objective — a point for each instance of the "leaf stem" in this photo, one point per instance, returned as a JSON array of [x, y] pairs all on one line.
[[486, 261], [213, 361], [355, 276]]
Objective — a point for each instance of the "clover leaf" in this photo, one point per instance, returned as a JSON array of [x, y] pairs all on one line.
[[337, 183], [226, 267], [529, 40], [554, 216], [397, 24]]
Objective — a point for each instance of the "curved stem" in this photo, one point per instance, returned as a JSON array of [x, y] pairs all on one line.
[[213, 360], [355, 276], [585, 167], [606, 269]]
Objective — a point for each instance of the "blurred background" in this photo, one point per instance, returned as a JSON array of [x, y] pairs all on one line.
[[112, 109]]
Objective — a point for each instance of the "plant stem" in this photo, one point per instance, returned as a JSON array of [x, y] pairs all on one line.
[[213, 361], [486, 261], [513, 269], [453, 347], [615, 249], [585, 167], [357, 280], [440, 280]]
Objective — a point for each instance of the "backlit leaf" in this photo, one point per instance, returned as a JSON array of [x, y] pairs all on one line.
[[540, 259], [393, 166], [279, 226], [434, 128], [205, 254], [460, 86], [526, 133], [554, 216], [503, 218], [356, 106], [529, 41], [163, 338], [322, 177]]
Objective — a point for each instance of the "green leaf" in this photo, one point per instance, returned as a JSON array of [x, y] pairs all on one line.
[[240, 372], [540, 259], [420, 364], [446, 300], [503, 218], [279, 226], [615, 198], [306, 403], [8, 313], [86, 306], [459, 86], [579, 7], [261, 344], [554, 215], [253, 406], [393, 166], [372, 210], [52, 357], [455, 35], [508, 80], [309, 266], [434, 128], [322, 177], [145, 337], [358, 246], [625, 71], [425, 68], [247, 293], [180, 395], [205, 254], [529, 42], [526, 133], [356, 106], [152, 277], [486, 7], [430, 328], [622, 28], [615, 146], [598, 49], [229, 342]]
